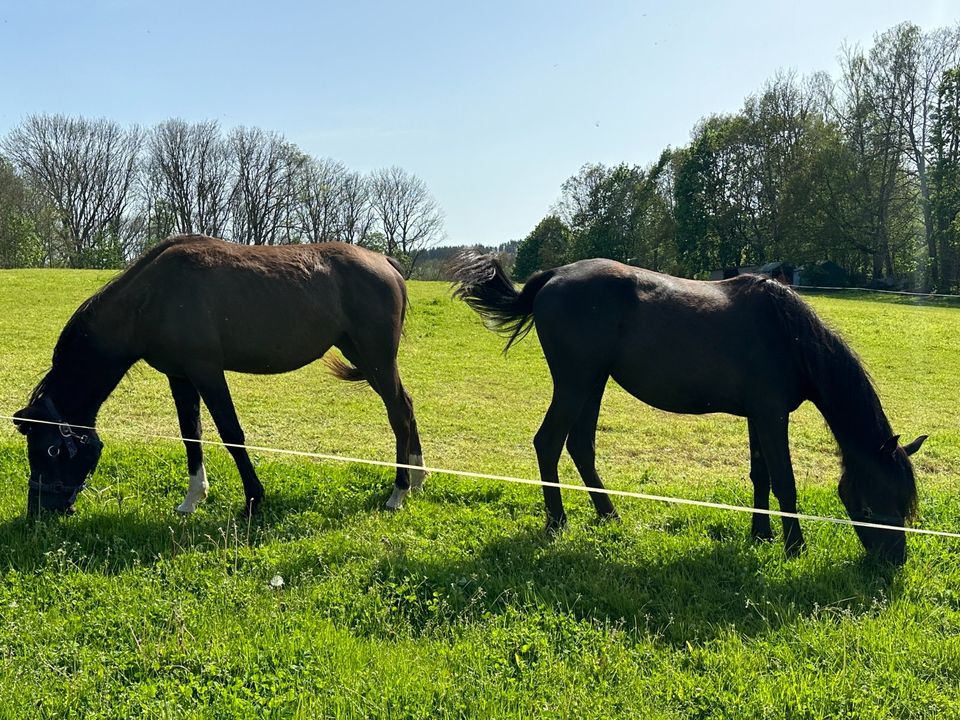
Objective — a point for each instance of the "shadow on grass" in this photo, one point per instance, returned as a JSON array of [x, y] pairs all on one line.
[[676, 597], [110, 536], [647, 585]]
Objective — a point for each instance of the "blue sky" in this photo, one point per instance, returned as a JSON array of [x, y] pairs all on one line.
[[493, 104]]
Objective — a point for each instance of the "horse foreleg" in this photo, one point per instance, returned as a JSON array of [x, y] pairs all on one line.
[[187, 400], [760, 528], [216, 395], [773, 437], [581, 444]]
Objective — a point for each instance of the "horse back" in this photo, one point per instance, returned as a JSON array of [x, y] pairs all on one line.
[[260, 308], [680, 345]]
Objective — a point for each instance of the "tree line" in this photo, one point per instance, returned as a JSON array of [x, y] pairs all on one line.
[[87, 193], [862, 170]]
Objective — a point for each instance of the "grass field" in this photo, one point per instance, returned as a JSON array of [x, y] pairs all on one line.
[[458, 606]]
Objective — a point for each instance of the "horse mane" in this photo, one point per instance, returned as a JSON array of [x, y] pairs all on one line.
[[74, 331], [835, 379], [837, 382]]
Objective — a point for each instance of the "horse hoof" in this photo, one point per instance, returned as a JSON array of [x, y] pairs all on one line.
[[762, 537], [396, 499], [253, 506], [555, 525], [197, 492], [190, 503]]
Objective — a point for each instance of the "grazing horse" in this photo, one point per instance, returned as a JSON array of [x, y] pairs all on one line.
[[193, 307], [747, 346]]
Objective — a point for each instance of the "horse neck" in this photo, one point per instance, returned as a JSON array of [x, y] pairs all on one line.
[[849, 403], [84, 373]]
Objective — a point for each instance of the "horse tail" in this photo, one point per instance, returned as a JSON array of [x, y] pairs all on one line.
[[344, 370], [395, 263], [481, 282]]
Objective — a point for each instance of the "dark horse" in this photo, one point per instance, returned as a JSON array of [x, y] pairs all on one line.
[[747, 346], [193, 307]]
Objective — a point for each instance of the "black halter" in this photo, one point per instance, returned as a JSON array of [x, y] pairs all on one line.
[[69, 438], [868, 515], [68, 434]]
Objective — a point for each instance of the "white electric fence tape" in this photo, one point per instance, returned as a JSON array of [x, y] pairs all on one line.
[[519, 481]]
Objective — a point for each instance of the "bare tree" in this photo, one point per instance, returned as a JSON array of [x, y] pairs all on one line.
[[876, 195], [320, 195], [86, 168], [355, 217], [188, 174], [909, 68], [264, 191], [409, 216], [577, 194]]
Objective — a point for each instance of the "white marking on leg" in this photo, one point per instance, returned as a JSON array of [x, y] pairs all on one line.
[[197, 492], [416, 476], [396, 499]]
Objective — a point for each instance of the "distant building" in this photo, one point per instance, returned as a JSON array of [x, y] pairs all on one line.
[[825, 273]]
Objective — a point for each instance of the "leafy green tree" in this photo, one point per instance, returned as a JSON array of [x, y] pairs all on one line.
[[708, 200], [545, 247], [21, 222], [945, 180], [875, 183], [620, 213], [914, 64]]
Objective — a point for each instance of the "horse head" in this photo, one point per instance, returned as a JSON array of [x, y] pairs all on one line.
[[61, 457], [880, 488]]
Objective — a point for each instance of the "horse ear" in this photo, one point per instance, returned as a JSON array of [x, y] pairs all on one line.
[[911, 448], [889, 446]]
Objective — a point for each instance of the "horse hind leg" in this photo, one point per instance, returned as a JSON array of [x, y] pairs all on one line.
[[400, 414], [581, 444], [187, 400], [384, 378], [417, 474], [564, 409]]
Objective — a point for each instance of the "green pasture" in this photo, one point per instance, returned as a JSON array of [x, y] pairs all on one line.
[[459, 606]]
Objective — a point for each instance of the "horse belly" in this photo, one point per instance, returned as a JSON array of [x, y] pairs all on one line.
[[239, 342], [280, 349], [684, 382], [681, 396]]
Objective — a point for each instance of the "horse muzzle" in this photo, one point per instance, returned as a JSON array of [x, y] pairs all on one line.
[[42, 498]]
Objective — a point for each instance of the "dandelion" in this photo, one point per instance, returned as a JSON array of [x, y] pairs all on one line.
[[276, 582]]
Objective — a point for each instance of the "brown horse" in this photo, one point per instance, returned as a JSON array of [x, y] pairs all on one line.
[[747, 346], [193, 307]]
